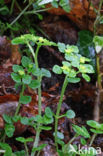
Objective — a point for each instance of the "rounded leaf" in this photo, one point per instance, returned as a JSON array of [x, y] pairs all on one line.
[[16, 77], [25, 99], [26, 79], [70, 114], [57, 69], [34, 84]]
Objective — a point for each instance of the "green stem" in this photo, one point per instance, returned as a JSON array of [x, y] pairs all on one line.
[[20, 14], [36, 138], [35, 56], [98, 73], [19, 104], [93, 138], [59, 108], [26, 149], [12, 6], [37, 11]]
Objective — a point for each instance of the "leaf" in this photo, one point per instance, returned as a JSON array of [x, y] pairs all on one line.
[[83, 141], [7, 118], [20, 153], [70, 114], [73, 80], [59, 135], [81, 131], [39, 148], [25, 99], [97, 131], [47, 120], [26, 79], [7, 148], [9, 130], [25, 61], [94, 124], [86, 77], [16, 68], [61, 47], [86, 46], [24, 120], [16, 77], [23, 140], [57, 69], [34, 84], [45, 72], [48, 112], [46, 128]]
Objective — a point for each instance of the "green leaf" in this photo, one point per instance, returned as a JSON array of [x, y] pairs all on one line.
[[86, 46], [83, 141], [25, 61], [57, 69], [54, 4], [46, 128], [16, 118], [7, 118], [94, 124], [16, 77], [81, 131], [26, 79], [70, 114], [47, 120], [24, 120], [48, 112], [97, 131], [23, 140], [61, 47], [20, 153], [59, 135], [7, 148], [16, 68], [73, 80], [86, 77], [25, 99], [34, 84], [39, 148], [86, 68], [45, 72], [9, 130]]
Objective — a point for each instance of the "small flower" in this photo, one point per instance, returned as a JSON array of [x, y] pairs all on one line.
[[21, 72], [82, 60]]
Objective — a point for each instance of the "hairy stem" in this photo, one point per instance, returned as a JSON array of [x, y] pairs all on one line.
[[19, 104], [59, 108], [35, 56], [26, 149]]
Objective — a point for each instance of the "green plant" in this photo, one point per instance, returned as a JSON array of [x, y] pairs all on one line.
[[23, 77], [74, 65]]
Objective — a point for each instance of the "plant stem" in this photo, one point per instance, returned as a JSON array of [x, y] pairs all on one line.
[[59, 108], [93, 138], [35, 56], [12, 6], [98, 73], [19, 104], [37, 11], [26, 149], [15, 20]]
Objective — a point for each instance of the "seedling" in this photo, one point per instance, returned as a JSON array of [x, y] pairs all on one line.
[[23, 140], [74, 64]]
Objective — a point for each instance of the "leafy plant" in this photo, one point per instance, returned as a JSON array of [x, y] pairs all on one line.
[[74, 64], [23, 77]]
